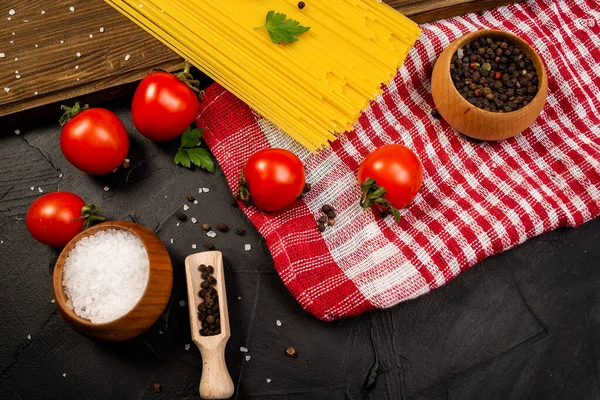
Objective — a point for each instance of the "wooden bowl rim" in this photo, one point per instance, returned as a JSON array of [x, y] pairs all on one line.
[[483, 32], [123, 225]]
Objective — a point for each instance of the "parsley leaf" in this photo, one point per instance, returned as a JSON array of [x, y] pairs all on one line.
[[201, 158], [189, 153], [281, 30]]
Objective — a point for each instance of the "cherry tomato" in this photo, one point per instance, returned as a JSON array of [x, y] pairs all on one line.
[[395, 168], [163, 106], [54, 218], [275, 178], [93, 140]]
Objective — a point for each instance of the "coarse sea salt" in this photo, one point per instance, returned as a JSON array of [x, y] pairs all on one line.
[[105, 274]]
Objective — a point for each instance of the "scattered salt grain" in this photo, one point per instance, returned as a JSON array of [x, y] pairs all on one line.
[[106, 188], [171, 241], [105, 274], [62, 41], [160, 333], [239, 297], [32, 188], [278, 323], [65, 375], [101, 29], [268, 380], [205, 190], [182, 303], [72, 8], [243, 349], [247, 247], [127, 57], [194, 246], [9, 18], [195, 201], [29, 337], [40, 190], [61, 175], [187, 346], [13, 34], [78, 54], [186, 207], [77, 67], [17, 132], [17, 71], [247, 358], [25, 20], [12, 12], [177, 224], [52, 301], [211, 234], [18, 76], [7, 89], [36, 46], [2, 55], [91, 36], [42, 12], [35, 93], [194, 220]]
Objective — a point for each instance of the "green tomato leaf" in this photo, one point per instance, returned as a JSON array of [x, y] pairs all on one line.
[[182, 158], [202, 159]]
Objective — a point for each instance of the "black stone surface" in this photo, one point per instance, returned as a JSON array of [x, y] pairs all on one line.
[[523, 324]]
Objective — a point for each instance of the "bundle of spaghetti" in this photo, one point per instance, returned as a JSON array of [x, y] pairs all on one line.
[[313, 89]]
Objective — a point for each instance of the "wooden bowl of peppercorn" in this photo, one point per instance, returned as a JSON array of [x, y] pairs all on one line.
[[489, 85]]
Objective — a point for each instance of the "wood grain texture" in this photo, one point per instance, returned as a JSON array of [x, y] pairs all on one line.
[[215, 382], [475, 122], [59, 34], [149, 307]]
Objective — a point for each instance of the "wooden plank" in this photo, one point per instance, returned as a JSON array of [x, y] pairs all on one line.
[[44, 49]]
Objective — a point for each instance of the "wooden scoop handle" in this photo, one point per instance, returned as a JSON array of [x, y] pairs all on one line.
[[215, 382]]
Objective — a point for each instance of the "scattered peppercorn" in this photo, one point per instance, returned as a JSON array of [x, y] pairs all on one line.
[[181, 216], [209, 246], [326, 208], [291, 352], [223, 227], [494, 75], [156, 387], [331, 214], [190, 198], [321, 227], [206, 227], [322, 219], [435, 114], [210, 269], [125, 164], [307, 188], [240, 231], [331, 222], [234, 203], [301, 5]]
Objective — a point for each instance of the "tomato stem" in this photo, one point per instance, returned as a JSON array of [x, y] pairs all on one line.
[[186, 77], [372, 194], [71, 112], [89, 214], [243, 193]]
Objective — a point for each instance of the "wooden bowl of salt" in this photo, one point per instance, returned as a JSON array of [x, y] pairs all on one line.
[[113, 281]]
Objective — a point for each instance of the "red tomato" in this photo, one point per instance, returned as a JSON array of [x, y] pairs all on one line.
[[275, 178], [53, 219], [163, 107], [395, 168], [95, 141]]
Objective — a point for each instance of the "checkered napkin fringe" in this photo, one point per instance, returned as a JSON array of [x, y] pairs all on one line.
[[477, 199]]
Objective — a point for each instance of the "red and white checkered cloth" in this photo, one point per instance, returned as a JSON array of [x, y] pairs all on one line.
[[477, 199]]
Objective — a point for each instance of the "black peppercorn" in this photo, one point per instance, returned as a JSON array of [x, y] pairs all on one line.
[[209, 246], [202, 268], [223, 227], [181, 216], [321, 227], [436, 114], [240, 231], [210, 269], [322, 219], [156, 387], [301, 5], [326, 208], [307, 188], [190, 198], [331, 214], [205, 285]]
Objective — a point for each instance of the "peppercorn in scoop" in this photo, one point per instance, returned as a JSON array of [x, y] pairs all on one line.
[[494, 75], [208, 310]]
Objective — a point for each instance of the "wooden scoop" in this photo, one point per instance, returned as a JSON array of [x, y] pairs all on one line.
[[216, 382]]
